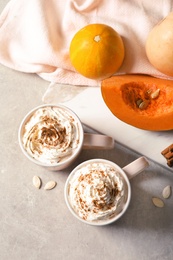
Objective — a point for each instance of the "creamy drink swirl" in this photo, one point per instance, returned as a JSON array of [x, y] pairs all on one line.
[[51, 135], [97, 191]]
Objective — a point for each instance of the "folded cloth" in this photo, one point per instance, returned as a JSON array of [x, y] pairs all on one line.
[[35, 35]]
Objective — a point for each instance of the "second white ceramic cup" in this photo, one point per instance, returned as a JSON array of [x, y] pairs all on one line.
[[126, 173]]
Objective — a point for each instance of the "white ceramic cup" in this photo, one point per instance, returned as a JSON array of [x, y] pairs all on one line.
[[126, 173], [85, 140]]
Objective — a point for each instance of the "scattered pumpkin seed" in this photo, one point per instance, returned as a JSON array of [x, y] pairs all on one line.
[[158, 202], [50, 185], [36, 182], [155, 94], [166, 193]]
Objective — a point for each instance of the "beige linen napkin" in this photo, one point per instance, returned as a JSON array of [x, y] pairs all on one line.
[[35, 34]]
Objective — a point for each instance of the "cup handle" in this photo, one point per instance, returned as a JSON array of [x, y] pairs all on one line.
[[136, 167], [96, 141]]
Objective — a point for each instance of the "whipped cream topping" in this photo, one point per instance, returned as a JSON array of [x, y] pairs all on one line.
[[97, 191], [51, 135]]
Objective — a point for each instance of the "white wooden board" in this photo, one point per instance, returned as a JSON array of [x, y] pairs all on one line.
[[93, 112]]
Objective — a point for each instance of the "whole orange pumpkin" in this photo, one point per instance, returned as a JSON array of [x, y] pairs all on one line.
[[97, 51]]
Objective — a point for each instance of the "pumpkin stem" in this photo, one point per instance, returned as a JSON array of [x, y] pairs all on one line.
[[97, 38]]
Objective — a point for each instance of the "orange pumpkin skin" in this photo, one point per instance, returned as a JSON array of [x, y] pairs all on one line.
[[97, 51], [159, 46], [124, 95]]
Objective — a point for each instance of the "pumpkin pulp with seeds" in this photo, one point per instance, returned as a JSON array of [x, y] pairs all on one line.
[[141, 101]]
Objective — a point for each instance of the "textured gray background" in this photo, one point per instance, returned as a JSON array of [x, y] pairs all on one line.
[[36, 224]]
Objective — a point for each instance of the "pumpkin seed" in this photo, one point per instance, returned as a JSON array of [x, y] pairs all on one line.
[[143, 104], [149, 91], [158, 202], [36, 182], [155, 94], [50, 185], [166, 193], [138, 102]]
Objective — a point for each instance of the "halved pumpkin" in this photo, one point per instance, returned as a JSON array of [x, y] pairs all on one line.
[[142, 101]]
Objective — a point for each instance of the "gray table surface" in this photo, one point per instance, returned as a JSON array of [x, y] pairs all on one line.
[[36, 224]]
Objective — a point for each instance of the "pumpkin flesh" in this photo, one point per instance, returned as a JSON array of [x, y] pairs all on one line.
[[124, 96]]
